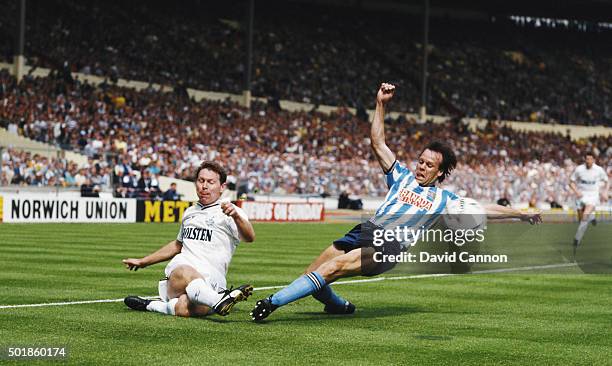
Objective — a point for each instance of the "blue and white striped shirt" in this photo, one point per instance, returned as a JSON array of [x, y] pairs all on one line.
[[408, 204]]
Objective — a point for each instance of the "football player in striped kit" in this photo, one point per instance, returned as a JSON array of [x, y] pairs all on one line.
[[199, 257], [413, 201]]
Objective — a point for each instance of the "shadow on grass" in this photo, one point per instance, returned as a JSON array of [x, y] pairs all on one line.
[[209, 318], [286, 315], [361, 313]]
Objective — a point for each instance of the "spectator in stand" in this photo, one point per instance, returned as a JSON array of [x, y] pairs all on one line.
[[81, 177], [88, 189], [24, 168], [503, 202], [171, 194], [130, 185], [147, 186]]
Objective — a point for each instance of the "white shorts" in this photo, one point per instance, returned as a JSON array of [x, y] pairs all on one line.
[[212, 277], [588, 198]]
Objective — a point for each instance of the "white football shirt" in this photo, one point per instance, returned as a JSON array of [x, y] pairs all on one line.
[[209, 236], [588, 180]]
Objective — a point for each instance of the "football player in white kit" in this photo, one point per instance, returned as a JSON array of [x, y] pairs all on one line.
[[586, 185], [195, 277]]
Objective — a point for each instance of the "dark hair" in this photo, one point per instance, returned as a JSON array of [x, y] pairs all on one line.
[[211, 165], [589, 153], [449, 160]]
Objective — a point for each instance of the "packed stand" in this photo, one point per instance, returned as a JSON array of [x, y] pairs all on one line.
[[326, 55], [274, 151], [25, 168]]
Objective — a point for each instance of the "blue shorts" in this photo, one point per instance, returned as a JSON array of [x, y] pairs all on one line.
[[350, 240], [361, 236]]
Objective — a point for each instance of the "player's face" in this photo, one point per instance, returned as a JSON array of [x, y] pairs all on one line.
[[589, 160], [428, 167], [208, 186]]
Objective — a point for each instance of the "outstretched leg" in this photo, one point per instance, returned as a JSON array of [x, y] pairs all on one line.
[[345, 265], [585, 216], [334, 304], [191, 295], [328, 254]]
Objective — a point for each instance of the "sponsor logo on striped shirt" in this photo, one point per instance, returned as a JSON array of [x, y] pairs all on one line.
[[408, 196]]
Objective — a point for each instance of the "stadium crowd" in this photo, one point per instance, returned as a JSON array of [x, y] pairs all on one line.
[[326, 55], [31, 169], [25, 168], [271, 150]]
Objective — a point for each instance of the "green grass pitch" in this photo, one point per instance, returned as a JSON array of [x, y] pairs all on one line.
[[551, 317]]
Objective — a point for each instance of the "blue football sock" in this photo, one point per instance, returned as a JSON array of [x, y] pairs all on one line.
[[328, 297], [301, 287]]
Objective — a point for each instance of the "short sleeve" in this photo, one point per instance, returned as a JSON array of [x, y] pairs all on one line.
[[448, 197], [232, 224], [452, 196], [574, 176], [604, 175], [397, 172], [179, 237], [233, 229]]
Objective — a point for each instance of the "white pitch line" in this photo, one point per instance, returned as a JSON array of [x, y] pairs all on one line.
[[377, 279], [58, 303], [500, 270], [528, 268]]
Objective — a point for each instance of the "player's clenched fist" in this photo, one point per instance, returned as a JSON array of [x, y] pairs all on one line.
[[385, 93], [229, 209], [133, 264]]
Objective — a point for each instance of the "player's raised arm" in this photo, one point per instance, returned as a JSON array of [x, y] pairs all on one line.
[[502, 212], [385, 156], [164, 253]]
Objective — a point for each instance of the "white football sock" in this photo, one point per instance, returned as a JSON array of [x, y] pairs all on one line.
[[201, 293], [591, 217], [163, 306], [581, 230]]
